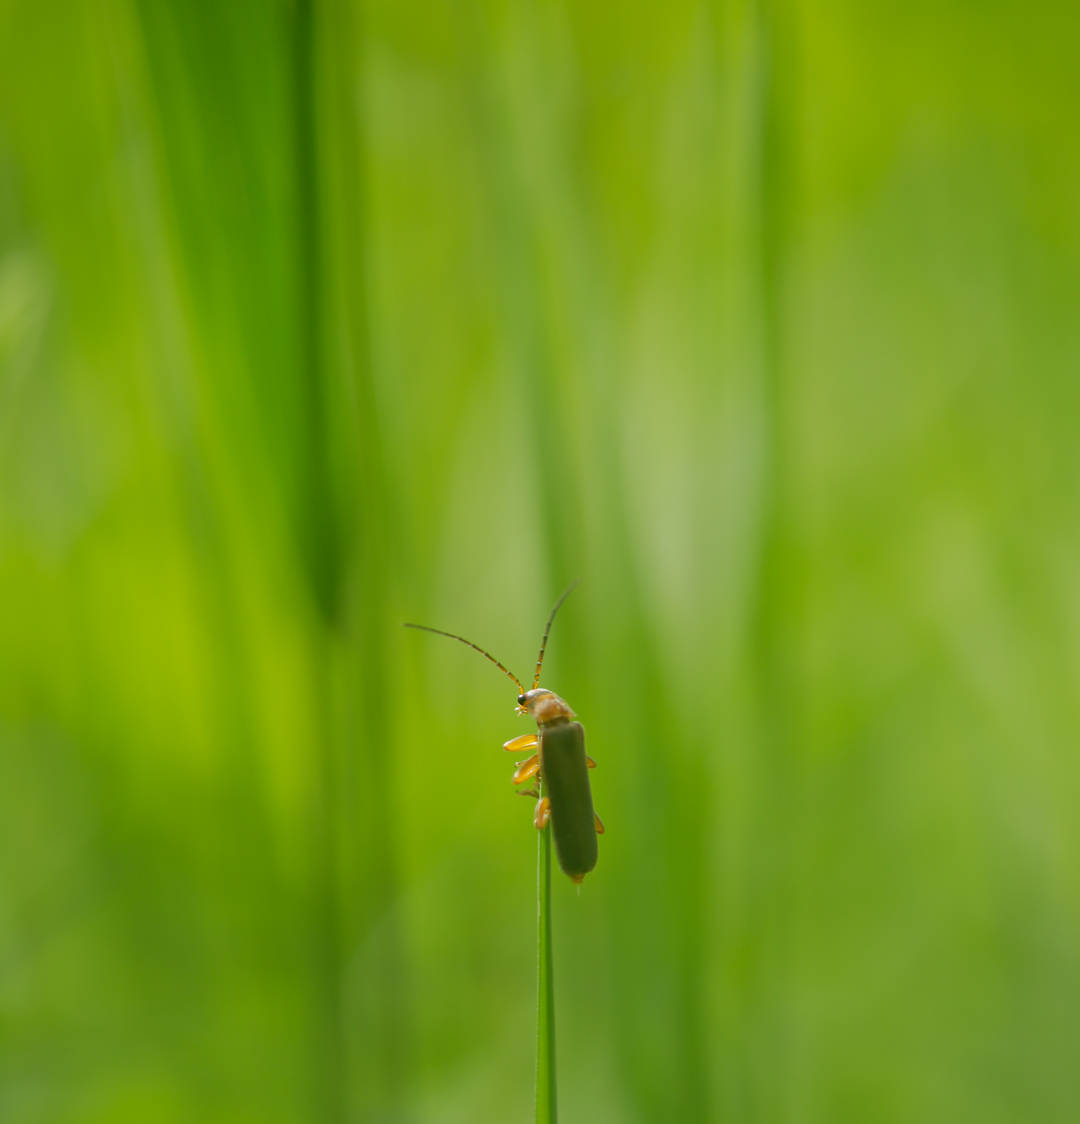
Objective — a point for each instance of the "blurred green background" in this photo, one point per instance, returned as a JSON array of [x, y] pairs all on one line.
[[762, 319]]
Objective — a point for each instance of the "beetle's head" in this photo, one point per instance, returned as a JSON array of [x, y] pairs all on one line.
[[543, 706]]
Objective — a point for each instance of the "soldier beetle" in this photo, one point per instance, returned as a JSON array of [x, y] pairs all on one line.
[[559, 763]]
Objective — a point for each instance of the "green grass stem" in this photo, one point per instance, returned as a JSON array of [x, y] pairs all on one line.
[[546, 1101]]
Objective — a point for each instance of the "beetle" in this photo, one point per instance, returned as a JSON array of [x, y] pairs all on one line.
[[559, 763]]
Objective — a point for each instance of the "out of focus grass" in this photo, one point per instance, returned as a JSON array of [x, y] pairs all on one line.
[[319, 317]]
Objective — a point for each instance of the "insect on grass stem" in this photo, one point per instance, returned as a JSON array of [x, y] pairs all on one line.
[[564, 809]]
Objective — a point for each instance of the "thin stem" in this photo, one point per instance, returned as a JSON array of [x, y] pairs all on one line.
[[546, 1106], [319, 549]]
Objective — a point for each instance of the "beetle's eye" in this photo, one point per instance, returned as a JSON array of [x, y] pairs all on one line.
[[521, 700]]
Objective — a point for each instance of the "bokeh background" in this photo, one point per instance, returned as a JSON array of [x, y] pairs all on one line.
[[320, 316]]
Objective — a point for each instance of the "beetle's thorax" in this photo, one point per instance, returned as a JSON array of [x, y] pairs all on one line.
[[545, 707]]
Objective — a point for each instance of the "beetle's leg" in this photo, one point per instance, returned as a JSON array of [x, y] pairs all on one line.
[[527, 792], [590, 762], [519, 745], [543, 813], [526, 769], [599, 824]]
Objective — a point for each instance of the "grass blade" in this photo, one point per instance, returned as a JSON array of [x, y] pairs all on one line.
[[546, 1104]]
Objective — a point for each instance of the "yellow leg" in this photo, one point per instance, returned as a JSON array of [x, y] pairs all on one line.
[[590, 762], [599, 824], [520, 745], [526, 769], [543, 813]]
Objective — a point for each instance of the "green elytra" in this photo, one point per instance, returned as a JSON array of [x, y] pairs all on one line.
[[560, 763], [566, 783]]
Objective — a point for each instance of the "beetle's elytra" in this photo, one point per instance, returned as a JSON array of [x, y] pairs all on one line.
[[566, 780], [559, 763]]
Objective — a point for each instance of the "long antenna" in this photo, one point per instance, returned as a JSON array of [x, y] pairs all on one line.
[[439, 632], [543, 643]]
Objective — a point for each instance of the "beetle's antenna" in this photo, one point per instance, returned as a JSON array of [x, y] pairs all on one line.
[[543, 643], [439, 632]]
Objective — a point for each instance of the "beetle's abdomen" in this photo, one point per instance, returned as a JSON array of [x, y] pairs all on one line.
[[566, 783]]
